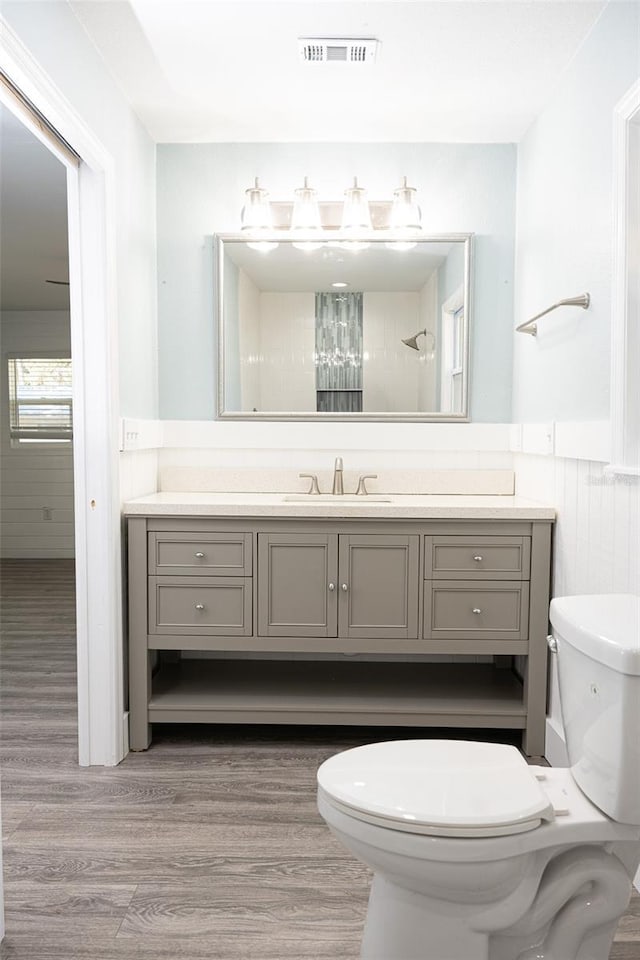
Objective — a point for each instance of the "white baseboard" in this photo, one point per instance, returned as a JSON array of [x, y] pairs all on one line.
[[125, 734]]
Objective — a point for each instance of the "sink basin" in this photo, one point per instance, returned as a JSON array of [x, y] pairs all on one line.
[[334, 499]]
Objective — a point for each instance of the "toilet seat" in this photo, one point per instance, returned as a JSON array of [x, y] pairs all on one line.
[[448, 788]]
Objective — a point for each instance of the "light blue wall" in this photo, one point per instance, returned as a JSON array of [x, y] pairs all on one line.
[[565, 228], [57, 41], [463, 188]]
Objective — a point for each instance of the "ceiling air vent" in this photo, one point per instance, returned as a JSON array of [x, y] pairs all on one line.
[[334, 50]]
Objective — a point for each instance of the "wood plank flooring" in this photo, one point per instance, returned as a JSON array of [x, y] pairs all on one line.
[[206, 847]]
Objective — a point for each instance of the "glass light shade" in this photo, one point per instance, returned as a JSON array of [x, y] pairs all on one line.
[[255, 220], [356, 217], [405, 221], [306, 226]]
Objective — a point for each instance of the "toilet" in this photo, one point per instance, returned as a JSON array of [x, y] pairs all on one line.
[[478, 856]]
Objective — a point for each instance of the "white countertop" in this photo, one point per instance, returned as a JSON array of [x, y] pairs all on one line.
[[401, 506]]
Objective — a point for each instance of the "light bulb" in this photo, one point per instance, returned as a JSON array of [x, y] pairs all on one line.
[[405, 221], [356, 218], [255, 219], [305, 219]]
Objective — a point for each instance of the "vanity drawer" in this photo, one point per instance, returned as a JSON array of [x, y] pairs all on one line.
[[215, 606], [462, 609], [477, 558], [200, 554]]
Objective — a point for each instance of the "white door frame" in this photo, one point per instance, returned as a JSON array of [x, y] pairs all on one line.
[[92, 273], [625, 213]]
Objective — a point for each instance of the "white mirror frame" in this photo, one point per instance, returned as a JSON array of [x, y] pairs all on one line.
[[625, 320]]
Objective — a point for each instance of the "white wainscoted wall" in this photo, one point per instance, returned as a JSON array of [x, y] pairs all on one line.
[[596, 544], [36, 481]]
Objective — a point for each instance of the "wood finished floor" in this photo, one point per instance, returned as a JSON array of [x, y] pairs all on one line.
[[206, 847]]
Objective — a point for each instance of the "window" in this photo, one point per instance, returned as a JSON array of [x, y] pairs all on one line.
[[40, 408], [452, 354]]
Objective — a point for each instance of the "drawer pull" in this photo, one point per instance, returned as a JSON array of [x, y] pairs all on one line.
[[199, 606], [345, 587], [332, 587], [476, 610], [478, 559], [199, 556]]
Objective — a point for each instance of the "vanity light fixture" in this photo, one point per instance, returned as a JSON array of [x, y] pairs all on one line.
[[351, 225], [255, 219], [405, 221], [306, 226], [412, 342]]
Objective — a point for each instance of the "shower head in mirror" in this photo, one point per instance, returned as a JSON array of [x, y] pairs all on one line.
[[413, 341]]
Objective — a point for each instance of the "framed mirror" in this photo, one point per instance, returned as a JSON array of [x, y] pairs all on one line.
[[329, 330]]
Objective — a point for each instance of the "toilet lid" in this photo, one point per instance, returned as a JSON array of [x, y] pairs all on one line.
[[441, 787]]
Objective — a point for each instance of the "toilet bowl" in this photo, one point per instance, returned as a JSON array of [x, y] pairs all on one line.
[[477, 855]]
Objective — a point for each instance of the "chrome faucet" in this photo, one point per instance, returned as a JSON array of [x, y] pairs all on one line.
[[338, 488]]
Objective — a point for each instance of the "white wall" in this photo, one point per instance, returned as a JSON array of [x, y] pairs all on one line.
[[392, 371], [564, 240], [597, 535], [249, 342], [429, 320], [53, 35], [564, 231], [34, 477], [287, 344], [463, 188]]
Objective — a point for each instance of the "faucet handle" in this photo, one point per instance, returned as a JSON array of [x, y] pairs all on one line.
[[362, 487], [314, 488]]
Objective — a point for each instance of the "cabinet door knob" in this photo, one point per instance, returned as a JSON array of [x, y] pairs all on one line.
[[200, 555], [477, 610], [345, 587], [477, 559], [332, 587], [199, 606]]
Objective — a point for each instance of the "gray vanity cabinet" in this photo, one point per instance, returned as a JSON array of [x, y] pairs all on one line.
[[329, 585], [380, 621], [378, 579], [297, 593]]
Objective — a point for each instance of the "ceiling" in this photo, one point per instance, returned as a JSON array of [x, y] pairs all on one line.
[[229, 70], [33, 221], [376, 269]]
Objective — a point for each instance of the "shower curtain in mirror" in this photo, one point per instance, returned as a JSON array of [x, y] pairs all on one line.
[[338, 355]]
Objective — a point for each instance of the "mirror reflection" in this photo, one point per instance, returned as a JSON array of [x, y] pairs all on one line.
[[368, 331]]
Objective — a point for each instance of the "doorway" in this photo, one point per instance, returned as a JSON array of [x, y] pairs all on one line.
[[28, 93]]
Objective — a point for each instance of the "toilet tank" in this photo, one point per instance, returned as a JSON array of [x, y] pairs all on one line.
[[598, 644]]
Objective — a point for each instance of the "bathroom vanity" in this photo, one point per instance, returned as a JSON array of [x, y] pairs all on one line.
[[417, 611]]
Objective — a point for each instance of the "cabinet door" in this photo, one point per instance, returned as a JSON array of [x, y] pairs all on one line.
[[378, 586], [297, 584]]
